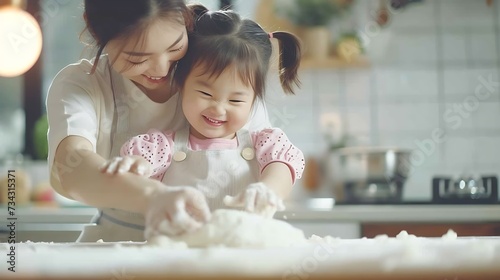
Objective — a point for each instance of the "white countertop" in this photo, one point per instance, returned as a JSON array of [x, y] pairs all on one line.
[[383, 258], [303, 212]]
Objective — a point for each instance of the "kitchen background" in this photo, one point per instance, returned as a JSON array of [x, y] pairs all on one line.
[[429, 82]]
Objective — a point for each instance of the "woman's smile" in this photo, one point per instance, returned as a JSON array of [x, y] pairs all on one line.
[[155, 79]]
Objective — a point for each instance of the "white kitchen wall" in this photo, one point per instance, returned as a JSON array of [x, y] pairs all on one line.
[[61, 23], [434, 71]]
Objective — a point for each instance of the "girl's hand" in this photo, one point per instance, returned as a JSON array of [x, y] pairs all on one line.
[[133, 164], [175, 211], [258, 199]]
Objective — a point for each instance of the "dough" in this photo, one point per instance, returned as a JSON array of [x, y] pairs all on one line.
[[235, 228]]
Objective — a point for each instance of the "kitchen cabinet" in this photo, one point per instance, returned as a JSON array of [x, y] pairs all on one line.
[[371, 230]]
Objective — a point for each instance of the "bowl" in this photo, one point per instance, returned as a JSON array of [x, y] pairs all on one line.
[[369, 173]]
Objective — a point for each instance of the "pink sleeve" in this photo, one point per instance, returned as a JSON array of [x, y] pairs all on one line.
[[272, 145], [155, 147]]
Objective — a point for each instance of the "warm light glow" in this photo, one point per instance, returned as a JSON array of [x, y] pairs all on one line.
[[20, 41]]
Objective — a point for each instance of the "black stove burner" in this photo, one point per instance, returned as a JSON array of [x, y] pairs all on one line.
[[465, 190], [420, 202], [445, 191]]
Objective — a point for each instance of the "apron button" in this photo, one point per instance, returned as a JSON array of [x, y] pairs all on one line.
[[248, 153], [179, 156]]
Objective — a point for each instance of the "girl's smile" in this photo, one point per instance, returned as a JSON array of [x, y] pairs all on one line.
[[216, 106], [213, 122]]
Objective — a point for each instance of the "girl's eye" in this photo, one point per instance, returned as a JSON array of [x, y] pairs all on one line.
[[137, 63], [236, 101], [205, 94]]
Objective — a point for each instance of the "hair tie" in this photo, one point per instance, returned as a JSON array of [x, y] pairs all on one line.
[[270, 35]]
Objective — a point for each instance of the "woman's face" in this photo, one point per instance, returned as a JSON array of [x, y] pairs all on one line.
[[147, 60], [216, 106]]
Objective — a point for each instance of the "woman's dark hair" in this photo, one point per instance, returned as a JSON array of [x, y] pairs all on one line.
[[221, 38], [110, 19]]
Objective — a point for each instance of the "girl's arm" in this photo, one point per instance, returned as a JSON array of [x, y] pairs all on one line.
[[278, 178], [281, 162]]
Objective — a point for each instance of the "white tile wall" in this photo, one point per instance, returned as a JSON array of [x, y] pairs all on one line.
[[61, 23], [465, 14], [454, 47], [406, 85], [435, 67], [412, 17], [482, 47]]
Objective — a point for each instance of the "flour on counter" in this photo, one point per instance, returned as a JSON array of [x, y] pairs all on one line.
[[406, 255], [381, 237], [404, 235], [450, 235], [235, 228]]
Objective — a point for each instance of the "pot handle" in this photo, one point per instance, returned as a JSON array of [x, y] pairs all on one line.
[[492, 183], [439, 185]]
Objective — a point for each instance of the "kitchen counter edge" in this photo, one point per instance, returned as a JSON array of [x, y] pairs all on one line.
[[299, 213]]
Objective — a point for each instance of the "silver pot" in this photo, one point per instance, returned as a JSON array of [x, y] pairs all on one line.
[[368, 173]]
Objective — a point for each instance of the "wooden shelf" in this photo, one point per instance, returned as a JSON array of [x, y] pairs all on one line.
[[334, 62]]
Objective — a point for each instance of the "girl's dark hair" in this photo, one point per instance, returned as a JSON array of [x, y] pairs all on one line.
[[221, 38], [110, 19]]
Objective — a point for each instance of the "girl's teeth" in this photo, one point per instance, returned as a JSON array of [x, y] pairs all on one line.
[[212, 120]]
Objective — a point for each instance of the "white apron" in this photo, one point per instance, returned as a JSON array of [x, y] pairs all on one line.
[[216, 173]]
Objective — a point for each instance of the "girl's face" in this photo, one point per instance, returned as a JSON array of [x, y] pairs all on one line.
[[147, 61], [216, 107]]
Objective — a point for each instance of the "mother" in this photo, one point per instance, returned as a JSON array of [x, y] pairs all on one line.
[[94, 106]]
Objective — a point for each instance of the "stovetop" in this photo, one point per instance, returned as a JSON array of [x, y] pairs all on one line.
[[419, 202], [445, 191]]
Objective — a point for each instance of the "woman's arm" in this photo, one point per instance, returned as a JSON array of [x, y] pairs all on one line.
[[184, 207], [76, 171]]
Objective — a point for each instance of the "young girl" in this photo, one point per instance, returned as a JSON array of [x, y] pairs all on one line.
[[221, 77], [95, 106]]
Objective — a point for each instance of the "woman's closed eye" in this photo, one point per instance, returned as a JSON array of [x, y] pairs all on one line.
[[136, 63], [178, 49]]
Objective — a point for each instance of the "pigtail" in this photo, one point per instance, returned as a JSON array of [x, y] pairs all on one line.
[[289, 59]]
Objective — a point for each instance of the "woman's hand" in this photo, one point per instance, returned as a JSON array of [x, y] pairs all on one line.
[[132, 164], [175, 211], [258, 199]]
